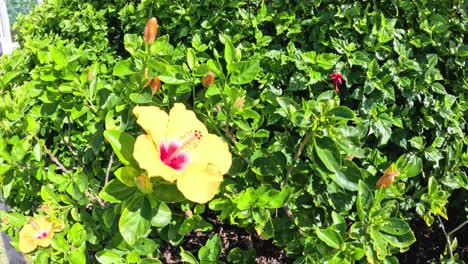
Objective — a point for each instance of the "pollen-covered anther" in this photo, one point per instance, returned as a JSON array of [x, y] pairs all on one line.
[[191, 139]]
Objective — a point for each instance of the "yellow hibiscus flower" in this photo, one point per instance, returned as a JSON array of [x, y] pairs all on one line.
[[39, 232], [178, 147]]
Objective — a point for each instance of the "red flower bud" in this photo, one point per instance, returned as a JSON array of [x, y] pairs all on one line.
[[208, 79], [151, 30], [336, 78]]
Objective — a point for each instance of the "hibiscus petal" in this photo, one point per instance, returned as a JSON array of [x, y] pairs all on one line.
[[147, 156], [45, 242], [153, 120], [200, 183], [212, 149], [26, 239], [183, 121]]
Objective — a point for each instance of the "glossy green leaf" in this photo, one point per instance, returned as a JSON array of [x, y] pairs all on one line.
[[328, 153], [243, 72], [364, 200], [161, 215], [395, 226], [135, 221], [123, 68], [127, 175], [330, 237], [122, 144], [115, 191], [167, 192]]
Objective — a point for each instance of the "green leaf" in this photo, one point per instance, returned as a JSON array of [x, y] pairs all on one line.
[[400, 241], [243, 72], [122, 144], [239, 256], [246, 199], [76, 257], [288, 105], [115, 191], [274, 198], [135, 221], [395, 226], [408, 166], [212, 249], [339, 222], [330, 237], [187, 257], [229, 52], [77, 235], [364, 200], [161, 215], [191, 58], [167, 192], [59, 56], [327, 60], [122, 68], [328, 153], [108, 257], [127, 175], [341, 112], [348, 176], [141, 98]]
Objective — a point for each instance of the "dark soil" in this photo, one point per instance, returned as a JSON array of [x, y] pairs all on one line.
[[429, 246], [431, 242], [232, 237]]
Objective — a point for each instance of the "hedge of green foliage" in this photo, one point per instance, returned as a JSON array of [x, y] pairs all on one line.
[[307, 152]]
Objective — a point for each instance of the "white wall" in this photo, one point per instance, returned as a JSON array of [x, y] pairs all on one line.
[[5, 33], [6, 42]]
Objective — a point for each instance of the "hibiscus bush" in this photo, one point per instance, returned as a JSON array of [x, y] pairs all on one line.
[[336, 130]]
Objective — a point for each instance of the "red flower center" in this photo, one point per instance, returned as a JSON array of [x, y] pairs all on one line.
[[42, 235], [174, 153]]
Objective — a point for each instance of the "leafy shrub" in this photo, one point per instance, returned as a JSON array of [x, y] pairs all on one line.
[[306, 158]]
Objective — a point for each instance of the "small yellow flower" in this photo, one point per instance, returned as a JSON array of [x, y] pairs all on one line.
[[178, 147], [39, 232]]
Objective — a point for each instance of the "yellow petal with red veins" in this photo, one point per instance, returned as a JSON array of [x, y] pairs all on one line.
[[200, 183], [183, 121], [153, 120], [212, 149], [146, 154]]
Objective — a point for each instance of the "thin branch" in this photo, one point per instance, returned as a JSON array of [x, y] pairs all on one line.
[[93, 197], [60, 166], [231, 137], [304, 141], [55, 160], [449, 244], [109, 166], [299, 151], [457, 228]]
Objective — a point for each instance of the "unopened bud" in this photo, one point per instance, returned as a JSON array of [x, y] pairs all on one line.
[[89, 77], [238, 54], [154, 83], [45, 208], [188, 213], [388, 177], [239, 103], [145, 74], [349, 157], [208, 79], [143, 183], [151, 30]]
